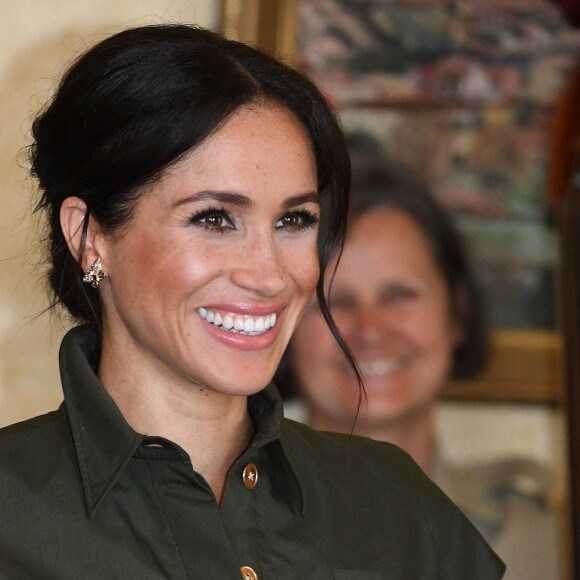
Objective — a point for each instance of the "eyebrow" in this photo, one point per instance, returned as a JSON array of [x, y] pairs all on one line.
[[310, 197], [221, 196], [237, 199]]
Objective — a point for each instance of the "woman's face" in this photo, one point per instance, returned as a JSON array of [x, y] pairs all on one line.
[[390, 301], [207, 282]]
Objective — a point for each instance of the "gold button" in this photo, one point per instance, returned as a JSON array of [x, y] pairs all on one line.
[[250, 476], [248, 573]]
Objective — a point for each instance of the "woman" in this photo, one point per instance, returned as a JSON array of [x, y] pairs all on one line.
[[407, 304], [198, 189]]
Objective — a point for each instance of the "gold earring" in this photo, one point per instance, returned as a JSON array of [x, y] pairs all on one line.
[[94, 274]]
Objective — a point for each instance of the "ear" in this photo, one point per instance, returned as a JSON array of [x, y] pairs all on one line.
[[80, 236]]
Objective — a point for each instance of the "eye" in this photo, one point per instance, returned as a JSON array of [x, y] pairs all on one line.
[[298, 221], [213, 220], [341, 302], [398, 293]]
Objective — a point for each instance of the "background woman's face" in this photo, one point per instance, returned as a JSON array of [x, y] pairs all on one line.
[[219, 260], [391, 302]]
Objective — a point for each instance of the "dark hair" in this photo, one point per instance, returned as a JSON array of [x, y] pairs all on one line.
[[377, 187], [134, 104]]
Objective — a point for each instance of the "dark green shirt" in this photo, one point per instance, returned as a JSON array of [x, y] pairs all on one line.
[[83, 496]]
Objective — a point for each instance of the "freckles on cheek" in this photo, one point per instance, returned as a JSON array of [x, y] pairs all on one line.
[[311, 271], [198, 265]]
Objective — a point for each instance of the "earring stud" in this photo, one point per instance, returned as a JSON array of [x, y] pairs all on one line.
[[94, 274]]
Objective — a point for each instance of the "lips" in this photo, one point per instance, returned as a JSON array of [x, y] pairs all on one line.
[[239, 323]]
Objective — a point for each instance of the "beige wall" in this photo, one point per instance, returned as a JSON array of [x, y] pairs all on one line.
[[37, 38]]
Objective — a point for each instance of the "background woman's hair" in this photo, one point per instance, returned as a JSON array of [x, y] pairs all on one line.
[[135, 104], [376, 187]]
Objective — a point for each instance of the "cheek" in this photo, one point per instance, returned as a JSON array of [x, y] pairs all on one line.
[[434, 336], [303, 268], [157, 273], [312, 272], [346, 322]]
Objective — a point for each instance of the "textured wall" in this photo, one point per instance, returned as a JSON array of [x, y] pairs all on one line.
[[37, 39]]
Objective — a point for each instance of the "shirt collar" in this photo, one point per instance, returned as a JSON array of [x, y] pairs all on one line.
[[267, 411], [104, 441]]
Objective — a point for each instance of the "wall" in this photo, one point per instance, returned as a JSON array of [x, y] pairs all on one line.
[[37, 39]]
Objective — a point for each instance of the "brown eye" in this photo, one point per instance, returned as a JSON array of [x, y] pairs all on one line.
[[297, 221], [291, 221], [215, 221]]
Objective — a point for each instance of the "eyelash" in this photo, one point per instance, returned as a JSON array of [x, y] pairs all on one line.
[[198, 218], [307, 220]]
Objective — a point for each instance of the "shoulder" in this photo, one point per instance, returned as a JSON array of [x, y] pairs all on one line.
[[30, 430], [34, 445], [359, 461], [325, 447], [378, 473], [378, 486]]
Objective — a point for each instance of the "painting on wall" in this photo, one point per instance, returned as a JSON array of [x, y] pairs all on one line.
[[461, 93]]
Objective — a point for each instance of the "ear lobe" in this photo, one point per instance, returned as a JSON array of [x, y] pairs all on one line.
[[79, 235]]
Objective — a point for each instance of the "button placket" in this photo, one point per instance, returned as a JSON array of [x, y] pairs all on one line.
[[250, 478]]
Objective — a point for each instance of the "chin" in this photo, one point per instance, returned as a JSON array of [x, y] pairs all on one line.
[[234, 386]]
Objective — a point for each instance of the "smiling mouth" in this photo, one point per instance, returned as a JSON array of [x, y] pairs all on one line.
[[240, 324], [383, 367]]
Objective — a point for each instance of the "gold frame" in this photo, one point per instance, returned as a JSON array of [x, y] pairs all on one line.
[[270, 25], [525, 366]]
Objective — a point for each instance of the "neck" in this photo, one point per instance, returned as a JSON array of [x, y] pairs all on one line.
[[213, 428], [414, 432]]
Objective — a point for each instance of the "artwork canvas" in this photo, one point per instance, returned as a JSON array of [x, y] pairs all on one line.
[[462, 93]]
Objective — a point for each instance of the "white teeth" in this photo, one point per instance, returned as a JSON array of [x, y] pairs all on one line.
[[381, 368], [252, 325]]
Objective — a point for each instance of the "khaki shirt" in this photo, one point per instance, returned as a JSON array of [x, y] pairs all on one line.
[[83, 496]]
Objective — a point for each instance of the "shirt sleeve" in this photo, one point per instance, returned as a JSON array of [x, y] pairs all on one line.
[[460, 552]]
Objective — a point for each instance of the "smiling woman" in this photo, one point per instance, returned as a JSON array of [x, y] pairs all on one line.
[[231, 231], [196, 191]]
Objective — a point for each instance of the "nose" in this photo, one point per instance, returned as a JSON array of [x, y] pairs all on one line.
[[259, 267], [367, 328]]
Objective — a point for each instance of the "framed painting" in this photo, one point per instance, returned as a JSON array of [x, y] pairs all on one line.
[[476, 120]]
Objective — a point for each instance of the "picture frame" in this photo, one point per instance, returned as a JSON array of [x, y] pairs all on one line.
[[525, 366]]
